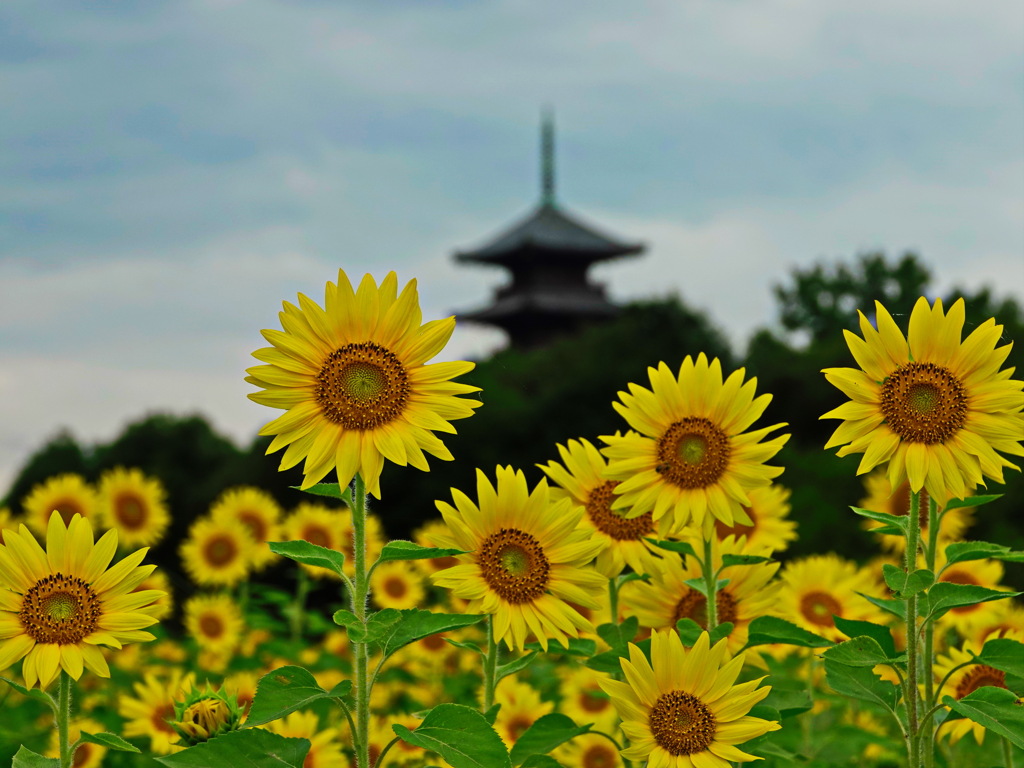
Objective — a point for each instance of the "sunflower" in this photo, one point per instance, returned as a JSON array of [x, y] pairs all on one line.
[[158, 580], [331, 528], [580, 477], [768, 511], [526, 559], [7, 523], [67, 494], [588, 750], [218, 553], [692, 459], [681, 709], [397, 585], [133, 505], [324, 743], [426, 536], [816, 588], [149, 713], [258, 512], [584, 701], [86, 755], [521, 706], [353, 380], [58, 605], [215, 622], [1007, 621], [981, 573], [938, 410], [962, 682], [667, 598]]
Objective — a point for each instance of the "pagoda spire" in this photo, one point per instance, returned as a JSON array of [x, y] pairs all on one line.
[[547, 157]]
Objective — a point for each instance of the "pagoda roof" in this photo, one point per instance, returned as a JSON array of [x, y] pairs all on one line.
[[550, 231], [544, 303]]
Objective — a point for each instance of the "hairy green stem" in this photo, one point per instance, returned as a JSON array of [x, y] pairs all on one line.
[[360, 649], [613, 599], [1007, 753], [490, 667], [63, 719], [710, 580], [913, 729], [297, 617], [928, 724]]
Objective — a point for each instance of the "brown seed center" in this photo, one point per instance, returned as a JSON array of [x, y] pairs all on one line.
[[362, 386], [314, 534], [979, 676], [737, 528], [60, 609], [67, 509], [211, 626], [395, 587], [819, 608], [255, 523], [923, 403], [681, 723], [693, 453], [612, 522], [514, 565], [599, 756], [220, 550], [130, 511], [593, 701]]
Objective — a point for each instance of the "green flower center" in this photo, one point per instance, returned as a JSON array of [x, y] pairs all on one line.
[[515, 560], [693, 449]]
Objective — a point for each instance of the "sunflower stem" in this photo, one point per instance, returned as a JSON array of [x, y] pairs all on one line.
[[359, 602], [913, 729], [928, 725], [63, 719], [296, 619], [613, 599], [1007, 752], [490, 667], [710, 580]]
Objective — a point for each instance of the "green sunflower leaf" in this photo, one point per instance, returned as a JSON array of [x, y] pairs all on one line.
[[541, 761], [414, 624], [997, 709], [1003, 654], [544, 735], [728, 560], [26, 758], [945, 596], [861, 651], [330, 490], [514, 666], [972, 501], [980, 550], [860, 683], [897, 521], [310, 554], [460, 735], [618, 636], [918, 581], [765, 630], [882, 635], [285, 690], [679, 547], [466, 645], [250, 748], [607, 662], [895, 577], [789, 697], [110, 741], [32, 693], [407, 550], [889, 605]]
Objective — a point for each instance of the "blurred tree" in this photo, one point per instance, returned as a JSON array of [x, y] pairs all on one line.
[[57, 456]]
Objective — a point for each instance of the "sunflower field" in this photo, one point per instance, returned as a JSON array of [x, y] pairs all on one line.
[[632, 608]]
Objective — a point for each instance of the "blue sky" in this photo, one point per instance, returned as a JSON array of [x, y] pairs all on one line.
[[170, 171]]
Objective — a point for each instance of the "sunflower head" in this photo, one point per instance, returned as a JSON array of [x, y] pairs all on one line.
[[134, 505], [206, 713], [67, 494], [215, 622], [353, 380], [218, 553], [526, 559], [937, 410], [682, 708], [258, 512], [57, 605], [690, 458]]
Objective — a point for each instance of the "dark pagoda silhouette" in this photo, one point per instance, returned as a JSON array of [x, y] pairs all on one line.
[[548, 254]]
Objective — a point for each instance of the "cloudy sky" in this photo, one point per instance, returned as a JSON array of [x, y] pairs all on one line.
[[171, 170]]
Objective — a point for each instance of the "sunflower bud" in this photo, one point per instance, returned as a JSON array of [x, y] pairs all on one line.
[[205, 714]]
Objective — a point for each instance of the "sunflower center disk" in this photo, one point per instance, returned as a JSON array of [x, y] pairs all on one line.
[[612, 522], [681, 723], [737, 528], [257, 527], [59, 609], [924, 403], [67, 509], [211, 626], [693, 453], [693, 605], [362, 386], [220, 551], [513, 564], [395, 587], [819, 608], [130, 512], [978, 677]]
